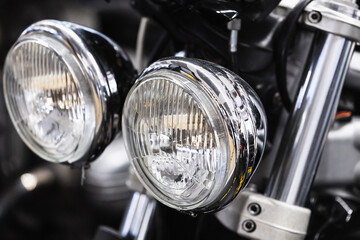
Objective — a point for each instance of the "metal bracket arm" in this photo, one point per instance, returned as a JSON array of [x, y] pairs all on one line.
[[338, 17], [265, 218]]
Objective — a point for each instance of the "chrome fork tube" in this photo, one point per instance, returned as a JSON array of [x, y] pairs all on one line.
[[307, 128], [138, 217]]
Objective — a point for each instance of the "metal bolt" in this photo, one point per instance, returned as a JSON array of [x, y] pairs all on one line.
[[254, 209], [314, 17], [249, 226]]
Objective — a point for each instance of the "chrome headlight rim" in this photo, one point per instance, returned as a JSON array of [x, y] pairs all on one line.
[[218, 82], [107, 74]]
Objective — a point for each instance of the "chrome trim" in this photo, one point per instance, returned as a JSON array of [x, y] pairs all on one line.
[[278, 220], [138, 217], [107, 69], [242, 113], [340, 17], [307, 128]]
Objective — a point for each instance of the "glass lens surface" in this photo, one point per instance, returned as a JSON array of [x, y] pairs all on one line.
[[44, 100], [173, 141]]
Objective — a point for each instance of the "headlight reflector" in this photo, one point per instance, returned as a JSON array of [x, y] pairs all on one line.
[[180, 123]]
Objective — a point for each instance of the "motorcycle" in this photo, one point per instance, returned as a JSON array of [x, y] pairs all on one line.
[[239, 122]]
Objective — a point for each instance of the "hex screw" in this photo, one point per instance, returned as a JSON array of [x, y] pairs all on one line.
[[249, 226], [314, 17], [254, 209]]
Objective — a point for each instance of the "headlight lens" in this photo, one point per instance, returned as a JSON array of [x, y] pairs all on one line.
[[58, 90], [174, 129], [186, 123], [46, 101]]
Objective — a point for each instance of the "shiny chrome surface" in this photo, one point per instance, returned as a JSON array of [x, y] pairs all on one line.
[[272, 219], [108, 71], [340, 17], [234, 26], [308, 125], [138, 216], [276, 220], [242, 112]]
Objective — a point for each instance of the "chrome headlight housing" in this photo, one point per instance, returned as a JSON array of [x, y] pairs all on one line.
[[194, 133], [64, 86]]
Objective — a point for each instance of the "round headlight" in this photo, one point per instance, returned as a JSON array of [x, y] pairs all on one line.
[[194, 133], [63, 88]]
